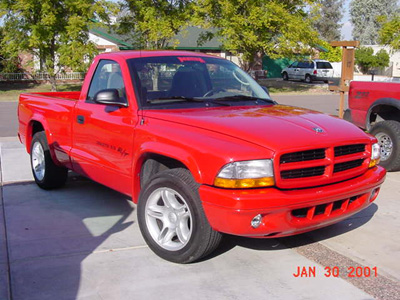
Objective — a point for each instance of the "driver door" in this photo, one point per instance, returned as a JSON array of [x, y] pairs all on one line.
[[103, 134]]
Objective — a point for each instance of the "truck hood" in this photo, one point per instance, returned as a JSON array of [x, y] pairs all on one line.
[[275, 127]]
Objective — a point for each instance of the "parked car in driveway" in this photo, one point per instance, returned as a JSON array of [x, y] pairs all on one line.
[[313, 70]]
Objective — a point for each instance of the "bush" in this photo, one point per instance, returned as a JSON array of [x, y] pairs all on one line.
[[366, 59]]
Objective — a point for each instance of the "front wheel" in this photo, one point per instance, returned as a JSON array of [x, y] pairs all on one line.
[[388, 135], [172, 220], [285, 76], [47, 175]]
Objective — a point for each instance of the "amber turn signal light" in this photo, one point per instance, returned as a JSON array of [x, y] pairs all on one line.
[[244, 183]]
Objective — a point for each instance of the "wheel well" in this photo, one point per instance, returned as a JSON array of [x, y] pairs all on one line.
[[155, 163], [36, 127], [384, 113]]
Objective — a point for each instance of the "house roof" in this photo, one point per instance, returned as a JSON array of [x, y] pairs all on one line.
[[124, 42]]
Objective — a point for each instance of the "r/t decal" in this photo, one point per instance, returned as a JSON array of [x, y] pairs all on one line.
[[120, 150]]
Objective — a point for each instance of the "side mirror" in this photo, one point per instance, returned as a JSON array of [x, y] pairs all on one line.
[[109, 97], [265, 89]]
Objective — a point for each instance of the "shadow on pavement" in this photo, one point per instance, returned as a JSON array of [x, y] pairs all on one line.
[[52, 232]]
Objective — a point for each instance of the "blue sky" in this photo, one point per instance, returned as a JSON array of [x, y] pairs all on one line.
[[347, 27]]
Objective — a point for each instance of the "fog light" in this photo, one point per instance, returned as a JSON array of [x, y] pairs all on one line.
[[256, 221], [374, 194]]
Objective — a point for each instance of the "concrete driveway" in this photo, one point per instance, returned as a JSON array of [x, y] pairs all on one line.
[[83, 242]]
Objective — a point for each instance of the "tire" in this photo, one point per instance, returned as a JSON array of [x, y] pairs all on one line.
[[347, 115], [172, 220], [285, 76], [388, 135], [308, 79], [47, 175]]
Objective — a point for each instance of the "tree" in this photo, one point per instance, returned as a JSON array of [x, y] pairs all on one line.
[[364, 17], [334, 54], [327, 19], [153, 23], [55, 31], [390, 32], [251, 28], [9, 62], [366, 59]]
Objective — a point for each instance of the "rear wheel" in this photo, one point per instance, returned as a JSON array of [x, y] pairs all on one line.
[[47, 175], [172, 220], [285, 76], [308, 79], [388, 135]]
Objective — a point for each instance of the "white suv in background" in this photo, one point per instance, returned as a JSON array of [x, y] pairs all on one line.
[[309, 70]]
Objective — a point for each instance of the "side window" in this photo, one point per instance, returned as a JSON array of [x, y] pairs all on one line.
[[107, 76], [302, 65]]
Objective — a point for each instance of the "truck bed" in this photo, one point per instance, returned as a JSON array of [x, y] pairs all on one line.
[[58, 95], [54, 110]]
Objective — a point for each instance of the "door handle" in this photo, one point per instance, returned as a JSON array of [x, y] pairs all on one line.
[[80, 119]]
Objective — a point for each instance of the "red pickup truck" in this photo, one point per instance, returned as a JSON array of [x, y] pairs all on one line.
[[375, 106], [202, 149]]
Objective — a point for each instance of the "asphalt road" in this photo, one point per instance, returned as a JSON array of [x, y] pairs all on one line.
[[328, 104], [325, 103]]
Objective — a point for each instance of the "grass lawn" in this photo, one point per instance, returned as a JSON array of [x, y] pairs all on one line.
[[10, 91]]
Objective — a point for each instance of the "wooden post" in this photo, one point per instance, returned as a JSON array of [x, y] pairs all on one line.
[[341, 104], [348, 51]]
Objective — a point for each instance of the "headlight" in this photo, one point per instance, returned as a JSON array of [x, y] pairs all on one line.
[[375, 155], [246, 174]]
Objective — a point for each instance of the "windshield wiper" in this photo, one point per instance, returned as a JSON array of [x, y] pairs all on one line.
[[244, 98], [189, 99]]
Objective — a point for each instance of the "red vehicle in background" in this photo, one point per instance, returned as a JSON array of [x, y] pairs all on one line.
[[202, 149], [375, 106]]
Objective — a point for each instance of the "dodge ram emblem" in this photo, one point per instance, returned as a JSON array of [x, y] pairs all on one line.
[[318, 130]]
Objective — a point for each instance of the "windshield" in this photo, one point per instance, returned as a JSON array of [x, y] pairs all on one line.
[[190, 81]]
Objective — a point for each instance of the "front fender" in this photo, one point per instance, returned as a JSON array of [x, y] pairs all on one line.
[[166, 150]]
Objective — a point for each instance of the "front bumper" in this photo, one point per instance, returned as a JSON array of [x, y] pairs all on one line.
[[289, 212]]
